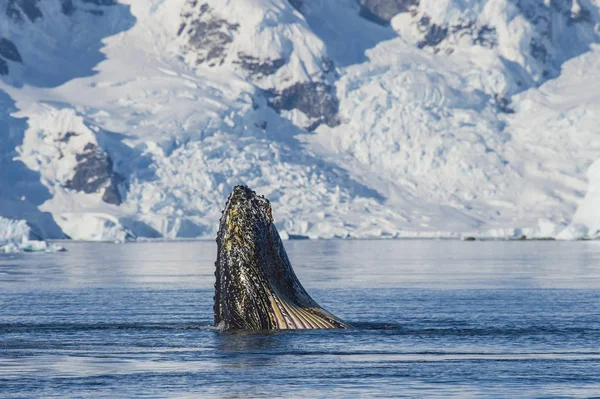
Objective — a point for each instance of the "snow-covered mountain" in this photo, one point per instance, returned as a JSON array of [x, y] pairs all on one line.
[[357, 118]]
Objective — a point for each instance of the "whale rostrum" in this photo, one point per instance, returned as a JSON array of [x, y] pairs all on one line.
[[256, 287]]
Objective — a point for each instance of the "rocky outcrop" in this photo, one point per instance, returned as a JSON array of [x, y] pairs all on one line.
[[316, 100], [537, 36], [295, 72], [434, 34], [94, 174], [255, 67], [208, 35]]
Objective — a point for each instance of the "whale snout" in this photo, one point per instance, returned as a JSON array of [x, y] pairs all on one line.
[[243, 198], [256, 287]]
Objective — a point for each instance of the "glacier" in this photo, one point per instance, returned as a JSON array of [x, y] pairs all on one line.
[[358, 119]]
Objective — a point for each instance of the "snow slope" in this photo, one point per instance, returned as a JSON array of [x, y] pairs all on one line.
[[135, 118]]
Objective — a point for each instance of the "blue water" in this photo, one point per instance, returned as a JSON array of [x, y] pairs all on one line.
[[434, 319]]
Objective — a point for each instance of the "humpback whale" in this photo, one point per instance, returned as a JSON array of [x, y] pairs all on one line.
[[256, 287]]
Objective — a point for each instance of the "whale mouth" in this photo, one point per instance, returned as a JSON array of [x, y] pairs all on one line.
[[256, 287]]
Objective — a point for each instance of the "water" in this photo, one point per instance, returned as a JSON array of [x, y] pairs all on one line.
[[434, 319]]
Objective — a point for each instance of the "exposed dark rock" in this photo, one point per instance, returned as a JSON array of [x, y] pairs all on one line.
[[68, 136], [16, 8], [9, 51], [209, 35], [94, 173], [483, 36], [486, 37], [297, 4], [382, 11], [258, 67], [3, 67], [423, 23], [434, 36], [317, 100]]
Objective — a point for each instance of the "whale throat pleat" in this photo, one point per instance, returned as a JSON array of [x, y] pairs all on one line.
[[289, 315]]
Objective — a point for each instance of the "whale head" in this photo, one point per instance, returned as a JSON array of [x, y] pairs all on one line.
[[256, 287]]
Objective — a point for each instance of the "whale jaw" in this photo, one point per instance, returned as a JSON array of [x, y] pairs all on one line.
[[256, 287]]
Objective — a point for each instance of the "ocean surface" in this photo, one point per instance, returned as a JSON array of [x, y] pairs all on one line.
[[433, 319]]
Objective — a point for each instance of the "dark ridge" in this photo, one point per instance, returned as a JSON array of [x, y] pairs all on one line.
[[255, 66], [9, 51]]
